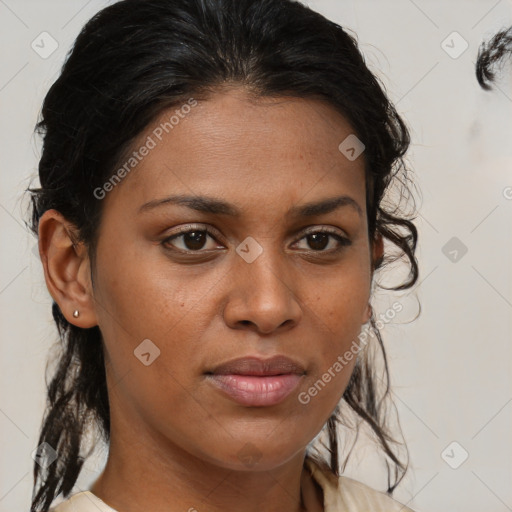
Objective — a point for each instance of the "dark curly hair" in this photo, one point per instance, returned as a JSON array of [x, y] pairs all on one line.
[[492, 53], [131, 61]]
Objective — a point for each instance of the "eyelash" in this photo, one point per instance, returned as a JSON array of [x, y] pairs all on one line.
[[343, 241]]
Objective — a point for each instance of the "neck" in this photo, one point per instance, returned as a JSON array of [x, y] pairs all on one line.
[[160, 476]]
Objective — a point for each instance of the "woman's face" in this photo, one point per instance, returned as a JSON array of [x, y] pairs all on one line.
[[173, 307]]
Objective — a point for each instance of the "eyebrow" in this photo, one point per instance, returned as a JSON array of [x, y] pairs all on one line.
[[219, 207]]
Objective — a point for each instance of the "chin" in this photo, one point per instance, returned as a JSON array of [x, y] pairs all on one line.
[[255, 457]]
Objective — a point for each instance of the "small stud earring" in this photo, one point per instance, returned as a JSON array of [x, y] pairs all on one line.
[[76, 313]]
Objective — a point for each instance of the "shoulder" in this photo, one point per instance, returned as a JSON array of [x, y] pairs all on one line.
[[347, 494], [360, 496], [84, 501]]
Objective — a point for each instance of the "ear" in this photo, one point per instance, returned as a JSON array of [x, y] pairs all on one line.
[[66, 269], [377, 255]]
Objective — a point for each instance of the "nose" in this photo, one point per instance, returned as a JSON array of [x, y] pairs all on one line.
[[262, 296]]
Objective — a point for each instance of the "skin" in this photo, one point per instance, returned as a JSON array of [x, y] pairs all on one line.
[[175, 439]]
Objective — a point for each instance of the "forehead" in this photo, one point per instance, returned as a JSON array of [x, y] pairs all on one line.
[[238, 146]]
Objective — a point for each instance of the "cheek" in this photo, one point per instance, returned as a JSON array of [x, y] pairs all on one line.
[[149, 301], [344, 324], [340, 299], [338, 312], [140, 295], [148, 333]]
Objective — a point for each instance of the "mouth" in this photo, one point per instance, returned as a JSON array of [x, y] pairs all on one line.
[[255, 382], [254, 391]]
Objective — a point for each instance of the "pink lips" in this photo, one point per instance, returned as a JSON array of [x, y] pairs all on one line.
[[251, 381]]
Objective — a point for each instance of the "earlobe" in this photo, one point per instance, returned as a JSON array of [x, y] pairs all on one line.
[[377, 256], [66, 269]]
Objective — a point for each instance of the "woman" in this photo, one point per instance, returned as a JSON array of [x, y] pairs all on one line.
[[211, 215]]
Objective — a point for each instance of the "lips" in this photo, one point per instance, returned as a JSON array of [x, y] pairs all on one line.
[[255, 382], [276, 365]]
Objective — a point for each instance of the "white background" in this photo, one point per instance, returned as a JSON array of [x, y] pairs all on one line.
[[450, 368]]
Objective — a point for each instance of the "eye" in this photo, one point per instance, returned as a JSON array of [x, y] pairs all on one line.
[[320, 239], [191, 239]]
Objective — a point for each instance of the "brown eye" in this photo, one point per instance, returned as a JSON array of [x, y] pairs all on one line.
[[318, 241], [194, 240], [191, 240]]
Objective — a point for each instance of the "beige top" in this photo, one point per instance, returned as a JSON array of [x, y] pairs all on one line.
[[340, 495]]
